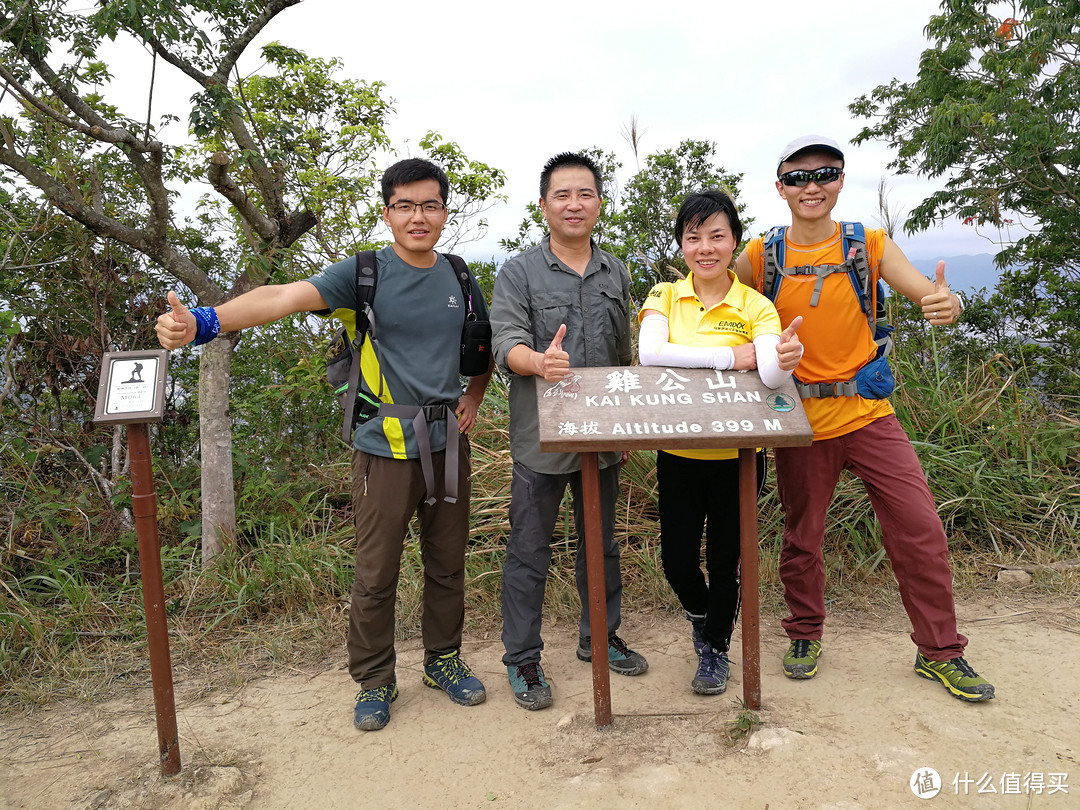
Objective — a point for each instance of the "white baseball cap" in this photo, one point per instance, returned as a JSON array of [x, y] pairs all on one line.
[[808, 142]]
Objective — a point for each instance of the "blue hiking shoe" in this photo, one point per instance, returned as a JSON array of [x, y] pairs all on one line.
[[712, 672], [621, 659], [531, 690], [373, 707], [452, 675]]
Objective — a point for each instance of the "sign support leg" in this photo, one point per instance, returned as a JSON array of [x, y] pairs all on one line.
[[748, 548], [594, 559], [144, 507]]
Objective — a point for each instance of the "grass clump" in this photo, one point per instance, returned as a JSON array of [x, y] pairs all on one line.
[[745, 722]]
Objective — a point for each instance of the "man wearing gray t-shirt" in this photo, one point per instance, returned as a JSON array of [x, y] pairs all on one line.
[[563, 302], [420, 313]]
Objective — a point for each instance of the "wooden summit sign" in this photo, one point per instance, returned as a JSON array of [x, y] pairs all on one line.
[[657, 408], [652, 407]]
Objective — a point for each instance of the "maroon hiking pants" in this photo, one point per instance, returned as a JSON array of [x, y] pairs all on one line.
[[881, 455]]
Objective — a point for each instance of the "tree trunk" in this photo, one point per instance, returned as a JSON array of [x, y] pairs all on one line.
[[215, 439]]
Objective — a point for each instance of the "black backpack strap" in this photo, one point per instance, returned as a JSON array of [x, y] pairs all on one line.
[[367, 276], [464, 277]]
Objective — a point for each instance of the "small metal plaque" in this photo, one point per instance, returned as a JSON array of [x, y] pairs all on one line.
[[132, 387], [652, 407]]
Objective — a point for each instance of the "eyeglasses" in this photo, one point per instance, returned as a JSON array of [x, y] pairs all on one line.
[[801, 177], [430, 207]]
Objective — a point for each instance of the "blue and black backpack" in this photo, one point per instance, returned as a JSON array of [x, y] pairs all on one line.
[[874, 380]]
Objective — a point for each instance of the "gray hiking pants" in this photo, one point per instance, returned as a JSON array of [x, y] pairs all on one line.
[[535, 499]]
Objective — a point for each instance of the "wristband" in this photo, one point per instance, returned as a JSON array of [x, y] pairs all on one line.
[[206, 325]]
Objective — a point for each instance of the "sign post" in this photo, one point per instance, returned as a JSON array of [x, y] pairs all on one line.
[[132, 392], [594, 568], [656, 408]]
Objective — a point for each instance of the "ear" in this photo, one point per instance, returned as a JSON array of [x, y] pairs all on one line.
[[386, 215], [780, 189], [543, 207]]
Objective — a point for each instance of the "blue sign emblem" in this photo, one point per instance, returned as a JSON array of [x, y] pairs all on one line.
[[781, 403]]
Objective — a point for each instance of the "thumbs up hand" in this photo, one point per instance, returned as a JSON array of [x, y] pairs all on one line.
[[940, 307], [176, 327], [790, 349], [555, 363]]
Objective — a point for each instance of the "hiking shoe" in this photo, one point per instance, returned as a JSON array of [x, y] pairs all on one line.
[[373, 707], [621, 658], [697, 631], [452, 675], [957, 676], [800, 661], [712, 672], [530, 689]]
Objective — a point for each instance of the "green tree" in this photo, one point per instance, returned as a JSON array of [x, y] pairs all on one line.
[[289, 154], [993, 114], [71, 297], [644, 226]]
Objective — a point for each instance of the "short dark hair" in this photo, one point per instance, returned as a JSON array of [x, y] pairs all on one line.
[[698, 207], [570, 159], [412, 170]]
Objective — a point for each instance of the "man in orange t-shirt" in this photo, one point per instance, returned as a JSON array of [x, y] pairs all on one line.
[[854, 433]]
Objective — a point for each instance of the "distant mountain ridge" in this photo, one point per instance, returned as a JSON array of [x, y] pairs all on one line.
[[965, 273]]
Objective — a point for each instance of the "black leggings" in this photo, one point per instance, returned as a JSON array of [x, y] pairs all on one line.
[[699, 495]]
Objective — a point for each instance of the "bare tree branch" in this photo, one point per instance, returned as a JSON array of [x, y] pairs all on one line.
[[219, 177], [254, 28], [176, 263], [98, 130]]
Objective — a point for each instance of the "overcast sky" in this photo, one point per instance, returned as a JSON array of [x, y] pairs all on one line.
[[515, 83]]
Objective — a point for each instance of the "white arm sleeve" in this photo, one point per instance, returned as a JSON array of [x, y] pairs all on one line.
[[768, 363], [654, 349]]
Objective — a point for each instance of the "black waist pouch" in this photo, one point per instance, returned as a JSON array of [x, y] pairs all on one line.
[[475, 346]]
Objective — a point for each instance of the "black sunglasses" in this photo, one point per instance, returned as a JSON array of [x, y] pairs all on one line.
[[801, 177]]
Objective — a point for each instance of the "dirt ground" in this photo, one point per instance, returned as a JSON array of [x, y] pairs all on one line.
[[851, 738]]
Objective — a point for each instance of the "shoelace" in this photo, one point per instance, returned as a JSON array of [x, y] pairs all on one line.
[[711, 661], [802, 647], [453, 668], [530, 673], [378, 695], [618, 644], [963, 666]]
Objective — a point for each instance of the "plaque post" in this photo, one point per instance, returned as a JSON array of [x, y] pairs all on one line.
[[132, 392], [144, 507]]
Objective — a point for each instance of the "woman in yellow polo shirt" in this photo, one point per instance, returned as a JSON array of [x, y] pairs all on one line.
[[709, 320]]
